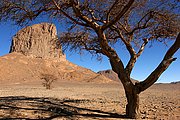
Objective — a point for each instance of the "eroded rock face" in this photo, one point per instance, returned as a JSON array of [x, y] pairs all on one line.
[[39, 40]]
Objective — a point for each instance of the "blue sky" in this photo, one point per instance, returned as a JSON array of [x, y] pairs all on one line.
[[144, 66]]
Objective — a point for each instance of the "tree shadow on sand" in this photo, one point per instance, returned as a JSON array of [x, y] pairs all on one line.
[[29, 108]]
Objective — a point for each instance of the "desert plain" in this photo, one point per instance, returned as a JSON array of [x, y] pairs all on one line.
[[69, 100]]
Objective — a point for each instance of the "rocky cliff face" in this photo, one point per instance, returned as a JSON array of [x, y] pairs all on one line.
[[39, 40]]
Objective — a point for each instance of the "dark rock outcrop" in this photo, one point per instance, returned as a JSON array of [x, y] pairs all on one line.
[[109, 74], [112, 75], [39, 40]]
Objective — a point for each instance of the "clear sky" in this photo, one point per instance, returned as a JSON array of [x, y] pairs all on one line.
[[144, 66]]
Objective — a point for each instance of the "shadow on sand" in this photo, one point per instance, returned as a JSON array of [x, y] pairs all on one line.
[[29, 108]]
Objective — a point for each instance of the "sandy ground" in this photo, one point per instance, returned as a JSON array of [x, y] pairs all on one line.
[[85, 101]]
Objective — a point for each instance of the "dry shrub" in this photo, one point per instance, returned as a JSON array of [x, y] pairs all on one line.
[[48, 80]]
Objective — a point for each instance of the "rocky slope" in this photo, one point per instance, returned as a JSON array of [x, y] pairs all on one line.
[[36, 51], [16, 68]]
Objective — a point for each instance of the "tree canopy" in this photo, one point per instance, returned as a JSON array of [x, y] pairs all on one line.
[[131, 22]]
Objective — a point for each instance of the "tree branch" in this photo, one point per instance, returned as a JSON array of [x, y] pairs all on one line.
[[108, 14], [79, 14], [17, 6], [127, 43], [92, 49], [124, 28], [142, 47], [145, 24], [69, 17], [134, 58], [167, 60], [109, 51], [121, 13], [115, 61], [131, 51]]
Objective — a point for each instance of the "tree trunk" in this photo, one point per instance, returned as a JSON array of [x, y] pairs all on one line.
[[132, 107]]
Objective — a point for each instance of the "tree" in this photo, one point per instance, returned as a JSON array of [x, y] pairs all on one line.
[[96, 25], [48, 80]]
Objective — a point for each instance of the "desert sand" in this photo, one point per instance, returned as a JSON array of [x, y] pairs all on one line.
[[69, 100]]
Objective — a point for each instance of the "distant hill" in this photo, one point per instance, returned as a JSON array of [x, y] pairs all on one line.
[[112, 75], [109, 74], [177, 82]]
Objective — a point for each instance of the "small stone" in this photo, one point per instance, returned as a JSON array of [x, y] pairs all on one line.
[[155, 107]]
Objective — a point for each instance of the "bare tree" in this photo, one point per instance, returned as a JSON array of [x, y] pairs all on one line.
[[96, 25], [48, 80]]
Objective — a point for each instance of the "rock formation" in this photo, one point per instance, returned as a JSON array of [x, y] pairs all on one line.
[[39, 40], [35, 50]]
